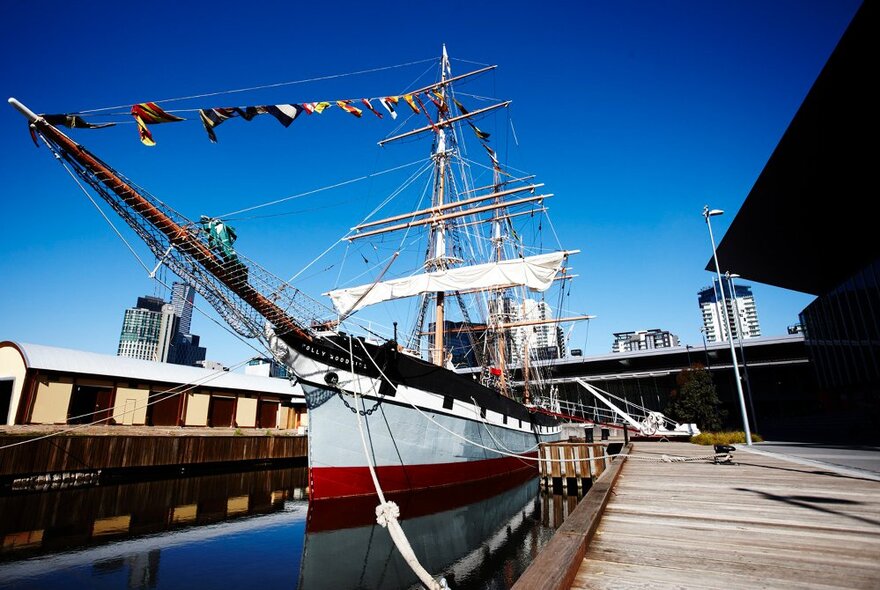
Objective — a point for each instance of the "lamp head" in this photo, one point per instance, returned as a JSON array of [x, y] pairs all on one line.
[[707, 213]]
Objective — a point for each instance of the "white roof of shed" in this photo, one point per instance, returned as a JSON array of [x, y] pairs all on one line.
[[66, 360]]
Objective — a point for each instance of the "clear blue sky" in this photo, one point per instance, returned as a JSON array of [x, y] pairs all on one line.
[[635, 114]]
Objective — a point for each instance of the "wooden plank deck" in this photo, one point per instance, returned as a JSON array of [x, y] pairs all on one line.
[[764, 523]]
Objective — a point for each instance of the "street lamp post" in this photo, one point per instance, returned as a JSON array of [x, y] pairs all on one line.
[[705, 347], [707, 213], [742, 351]]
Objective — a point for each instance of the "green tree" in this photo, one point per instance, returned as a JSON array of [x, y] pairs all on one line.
[[695, 399]]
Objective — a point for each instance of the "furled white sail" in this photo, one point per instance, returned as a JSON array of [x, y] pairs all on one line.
[[535, 272]]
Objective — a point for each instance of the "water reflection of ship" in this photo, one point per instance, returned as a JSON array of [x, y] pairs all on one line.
[[460, 533]]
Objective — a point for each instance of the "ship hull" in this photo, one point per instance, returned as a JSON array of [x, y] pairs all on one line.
[[425, 427], [410, 448]]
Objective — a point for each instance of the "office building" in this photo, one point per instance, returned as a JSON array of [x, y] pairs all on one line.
[[538, 341], [167, 335], [187, 350], [643, 340], [464, 341], [182, 298], [151, 330], [742, 314], [809, 207], [141, 326]]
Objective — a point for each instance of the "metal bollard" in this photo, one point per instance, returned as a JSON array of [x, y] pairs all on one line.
[[625, 435]]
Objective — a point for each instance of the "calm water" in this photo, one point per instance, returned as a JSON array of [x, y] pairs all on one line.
[[257, 530]]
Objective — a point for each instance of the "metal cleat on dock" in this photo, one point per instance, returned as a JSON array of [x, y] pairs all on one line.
[[723, 454]]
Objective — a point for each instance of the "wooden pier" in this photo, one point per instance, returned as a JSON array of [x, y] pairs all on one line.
[[85, 457], [762, 523], [571, 464]]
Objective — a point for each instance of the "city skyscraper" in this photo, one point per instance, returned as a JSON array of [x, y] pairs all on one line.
[[152, 330], [539, 341], [141, 325], [167, 335], [741, 312], [182, 297]]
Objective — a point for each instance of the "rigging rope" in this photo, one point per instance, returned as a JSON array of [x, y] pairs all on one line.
[[131, 249], [409, 181], [229, 216], [267, 86]]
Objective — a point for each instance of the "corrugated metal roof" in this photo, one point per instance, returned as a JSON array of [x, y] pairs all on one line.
[[66, 360]]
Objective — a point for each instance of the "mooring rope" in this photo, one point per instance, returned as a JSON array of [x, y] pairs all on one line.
[[387, 513]]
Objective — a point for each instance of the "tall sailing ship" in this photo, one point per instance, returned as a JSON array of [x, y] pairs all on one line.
[[396, 405]]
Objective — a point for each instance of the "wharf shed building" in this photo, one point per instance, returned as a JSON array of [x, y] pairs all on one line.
[[805, 226], [49, 385], [783, 386]]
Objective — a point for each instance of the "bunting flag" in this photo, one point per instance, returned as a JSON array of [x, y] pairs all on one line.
[[425, 110], [74, 122], [481, 134], [493, 157], [213, 117], [345, 105], [144, 133], [367, 104], [388, 102], [412, 104], [285, 113], [149, 113], [152, 114], [315, 107], [437, 99], [248, 113]]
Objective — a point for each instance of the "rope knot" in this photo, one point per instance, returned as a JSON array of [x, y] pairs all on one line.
[[387, 512]]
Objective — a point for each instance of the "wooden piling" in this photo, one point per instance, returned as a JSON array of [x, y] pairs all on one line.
[[571, 463]]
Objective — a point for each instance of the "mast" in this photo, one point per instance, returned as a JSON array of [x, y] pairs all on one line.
[[500, 334], [439, 260]]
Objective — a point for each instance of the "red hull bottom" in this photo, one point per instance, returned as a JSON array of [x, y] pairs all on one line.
[[344, 482]]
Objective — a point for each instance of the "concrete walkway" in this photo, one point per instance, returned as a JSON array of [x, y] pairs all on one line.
[[859, 457]]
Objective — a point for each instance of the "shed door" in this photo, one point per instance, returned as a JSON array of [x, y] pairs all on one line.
[[165, 411], [221, 412], [267, 414], [5, 399]]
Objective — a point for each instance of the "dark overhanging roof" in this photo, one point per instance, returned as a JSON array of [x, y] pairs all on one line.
[[809, 223]]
